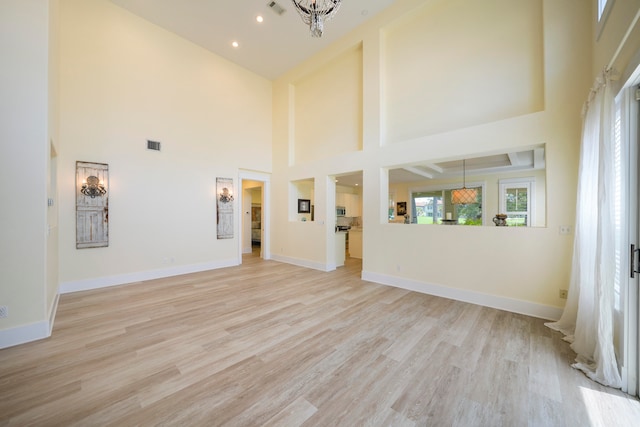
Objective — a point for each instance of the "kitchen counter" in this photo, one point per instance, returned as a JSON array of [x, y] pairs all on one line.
[[340, 247], [355, 242]]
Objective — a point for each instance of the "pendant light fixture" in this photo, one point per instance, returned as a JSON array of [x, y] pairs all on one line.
[[464, 195], [315, 12]]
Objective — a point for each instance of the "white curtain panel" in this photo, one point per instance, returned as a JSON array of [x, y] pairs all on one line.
[[587, 320]]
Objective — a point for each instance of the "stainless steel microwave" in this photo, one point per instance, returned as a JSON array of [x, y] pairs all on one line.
[[341, 211]]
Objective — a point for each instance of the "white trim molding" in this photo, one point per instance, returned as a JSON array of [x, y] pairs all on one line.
[[25, 333], [486, 300], [122, 279], [303, 263], [31, 332]]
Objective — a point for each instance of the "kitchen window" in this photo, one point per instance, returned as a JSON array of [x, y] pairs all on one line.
[[517, 201], [432, 206]]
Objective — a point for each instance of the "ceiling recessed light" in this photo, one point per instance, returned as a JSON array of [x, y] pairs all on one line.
[[259, 18], [235, 44]]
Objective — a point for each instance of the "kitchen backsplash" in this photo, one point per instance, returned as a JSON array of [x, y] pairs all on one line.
[[355, 221]]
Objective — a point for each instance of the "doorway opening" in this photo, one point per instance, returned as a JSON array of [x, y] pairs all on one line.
[[254, 214], [349, 212]]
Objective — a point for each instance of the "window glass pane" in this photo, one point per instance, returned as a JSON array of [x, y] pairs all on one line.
[[601, 5], [469, 214], [517, 220], [517, 199], [517, 202], [427, 207], [432, 207]]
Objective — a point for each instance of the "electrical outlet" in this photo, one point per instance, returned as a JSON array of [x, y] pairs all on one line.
[[4, 311], [563, 293], [565, 229]]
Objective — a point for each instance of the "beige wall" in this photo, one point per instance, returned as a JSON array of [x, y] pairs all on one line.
[[24, 154], [124, 81], [526, 91], [456, 57], [53, 261], [323, 128]]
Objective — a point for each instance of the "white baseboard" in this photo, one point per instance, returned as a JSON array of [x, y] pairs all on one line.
[[32, 332], [303, 263], [24, 334], [493, 301], [121, 279]]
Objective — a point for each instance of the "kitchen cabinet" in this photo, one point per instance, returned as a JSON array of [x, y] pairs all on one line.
[[355, 243], [351, 202]]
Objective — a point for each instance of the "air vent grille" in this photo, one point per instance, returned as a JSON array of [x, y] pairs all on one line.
[[276, 7], [153, 145]]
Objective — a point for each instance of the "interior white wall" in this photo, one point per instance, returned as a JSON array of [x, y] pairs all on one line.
[[124, 81], [24, 156], [438, 76], [324, 128], [525, 267], [53, 261]]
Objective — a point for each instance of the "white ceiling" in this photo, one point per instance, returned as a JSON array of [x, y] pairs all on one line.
[[269, 48]]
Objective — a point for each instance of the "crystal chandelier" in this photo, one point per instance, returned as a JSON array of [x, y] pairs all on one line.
[[464, 195], [315, 12]]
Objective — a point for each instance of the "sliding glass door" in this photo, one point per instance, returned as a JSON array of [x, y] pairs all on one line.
[[633, 321], [627, 164]]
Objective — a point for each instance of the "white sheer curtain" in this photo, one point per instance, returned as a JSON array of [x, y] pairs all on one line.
[[587, 320]]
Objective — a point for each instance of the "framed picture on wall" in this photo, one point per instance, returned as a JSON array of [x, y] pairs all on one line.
[[402, 208], [304, 206]]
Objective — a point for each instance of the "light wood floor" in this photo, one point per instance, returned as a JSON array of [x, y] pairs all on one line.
[[272, 344]]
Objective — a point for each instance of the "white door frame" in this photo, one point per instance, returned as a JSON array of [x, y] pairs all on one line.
[[265, 178], [631, 134], [633, 300]]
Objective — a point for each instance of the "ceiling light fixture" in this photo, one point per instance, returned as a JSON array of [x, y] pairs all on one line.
[[464, 195], [315, 12], [259, 18]]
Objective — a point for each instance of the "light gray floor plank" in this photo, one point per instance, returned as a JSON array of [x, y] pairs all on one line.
[[267, 343]]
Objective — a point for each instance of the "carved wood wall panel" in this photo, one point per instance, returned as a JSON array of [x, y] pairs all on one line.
[[92, 205]]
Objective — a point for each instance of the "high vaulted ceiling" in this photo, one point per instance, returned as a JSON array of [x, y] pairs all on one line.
[[283, 41], [269, 48]]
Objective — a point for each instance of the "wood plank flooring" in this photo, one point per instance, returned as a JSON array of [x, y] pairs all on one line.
[[272, 344]]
